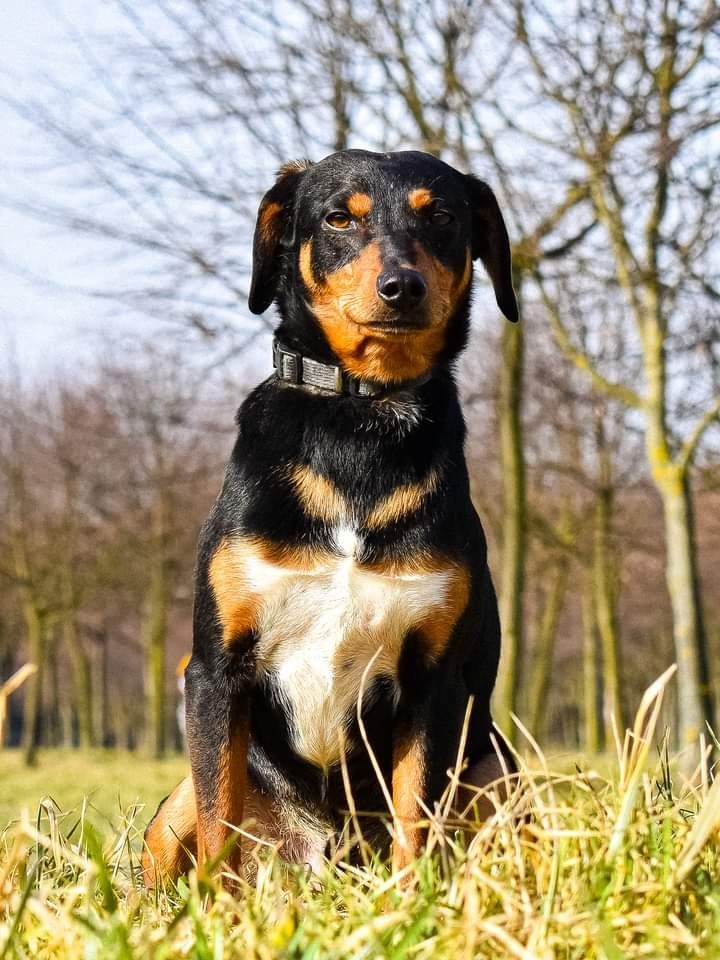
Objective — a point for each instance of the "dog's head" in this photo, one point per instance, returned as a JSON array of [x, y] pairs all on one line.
[[372, 255]]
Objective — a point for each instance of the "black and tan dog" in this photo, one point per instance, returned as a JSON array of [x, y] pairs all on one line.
[[344, 551]]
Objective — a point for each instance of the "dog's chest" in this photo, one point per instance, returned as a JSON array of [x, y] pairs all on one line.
[[327, 628]]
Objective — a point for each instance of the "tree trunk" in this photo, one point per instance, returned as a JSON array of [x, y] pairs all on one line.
[[512, 577], [82, 683], [32, 712], [54, 732], [78, 655], [545, 646], [604, 575], [695, 706], [591, 714], [156, 632]]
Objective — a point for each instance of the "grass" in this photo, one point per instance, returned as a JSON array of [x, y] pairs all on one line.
[[626, 864], [110, 780]]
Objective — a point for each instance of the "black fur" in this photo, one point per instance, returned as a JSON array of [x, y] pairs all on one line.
[[366, 448]]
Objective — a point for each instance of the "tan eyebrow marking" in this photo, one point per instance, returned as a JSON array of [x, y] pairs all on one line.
[[359, 204], [419, 198]]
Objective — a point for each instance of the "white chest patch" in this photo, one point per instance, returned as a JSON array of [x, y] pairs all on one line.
[[320, 626]]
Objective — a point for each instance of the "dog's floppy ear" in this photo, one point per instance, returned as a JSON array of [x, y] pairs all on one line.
[[491, 244], [273, 228]]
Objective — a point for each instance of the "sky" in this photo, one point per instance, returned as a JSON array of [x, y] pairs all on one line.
[[44, 324]]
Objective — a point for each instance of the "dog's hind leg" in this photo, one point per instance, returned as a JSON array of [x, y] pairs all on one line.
[[170, 842], [486, 776]]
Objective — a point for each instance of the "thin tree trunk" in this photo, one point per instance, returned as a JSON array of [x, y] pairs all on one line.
[[591, 713], [545, 646], [82, 683], [512, 577], [156, 633], [695, 706], [604, 565], [53, 714], [32, 712]]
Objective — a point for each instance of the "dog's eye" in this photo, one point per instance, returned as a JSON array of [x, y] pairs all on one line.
[[338, 220], [441, 218]]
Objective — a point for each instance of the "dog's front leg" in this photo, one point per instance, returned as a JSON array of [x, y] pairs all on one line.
[[409, 785], [217, 735]]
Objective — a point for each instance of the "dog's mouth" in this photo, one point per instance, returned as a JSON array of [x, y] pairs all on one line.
[[395, 328], [398, 323]]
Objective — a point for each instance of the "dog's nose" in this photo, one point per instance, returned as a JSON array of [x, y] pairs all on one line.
[[402, 289]]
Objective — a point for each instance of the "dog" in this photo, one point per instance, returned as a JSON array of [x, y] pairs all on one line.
[[344, 613]]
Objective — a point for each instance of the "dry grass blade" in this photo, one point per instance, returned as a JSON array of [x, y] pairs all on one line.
[[705, 823], [637, 747], [530, 889]]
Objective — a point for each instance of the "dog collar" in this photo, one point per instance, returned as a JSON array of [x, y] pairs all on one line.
[[292, 367]]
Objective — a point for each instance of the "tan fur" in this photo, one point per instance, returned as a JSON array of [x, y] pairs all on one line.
[[408, 779], [238, 601], [226, 807], [419, 198], [267, 224], [236, 605], [171, 837], [320, 617], [359, 205], [404, 500], [436, 629], [320, 499], [346, 305]]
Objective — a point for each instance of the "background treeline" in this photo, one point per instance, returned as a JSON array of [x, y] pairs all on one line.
[[593, 424]]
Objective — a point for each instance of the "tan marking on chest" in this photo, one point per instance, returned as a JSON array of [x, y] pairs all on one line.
[[319, 619], [237, 598], [319, 497], [403, 501], [436, 628]]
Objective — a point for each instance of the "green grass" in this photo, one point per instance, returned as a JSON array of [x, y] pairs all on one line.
[[622, 865], [111, 780]]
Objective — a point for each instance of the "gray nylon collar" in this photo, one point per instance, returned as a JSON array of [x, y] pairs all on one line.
[[292, 367]]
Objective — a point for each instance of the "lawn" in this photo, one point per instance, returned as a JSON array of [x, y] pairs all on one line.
[[110, 780], [620, 865]]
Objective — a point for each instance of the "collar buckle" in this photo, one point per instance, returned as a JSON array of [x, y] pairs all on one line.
[[287, 363]]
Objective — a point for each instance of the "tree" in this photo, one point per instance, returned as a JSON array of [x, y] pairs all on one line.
[[559, 114], [635, 81]]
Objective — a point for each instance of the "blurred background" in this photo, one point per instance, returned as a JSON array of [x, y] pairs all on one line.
[[138, 139]]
